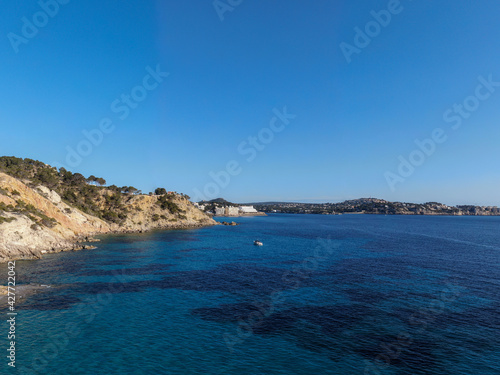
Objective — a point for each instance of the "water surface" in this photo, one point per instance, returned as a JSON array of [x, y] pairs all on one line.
[[349, 294]]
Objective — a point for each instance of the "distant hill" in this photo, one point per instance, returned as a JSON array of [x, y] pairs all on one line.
[[220, 201], [376, 206]]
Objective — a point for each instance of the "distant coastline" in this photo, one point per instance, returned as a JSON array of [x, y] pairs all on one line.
[[376, 206]]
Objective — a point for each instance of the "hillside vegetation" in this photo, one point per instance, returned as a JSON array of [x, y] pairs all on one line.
[[43, 209], [87, 194]]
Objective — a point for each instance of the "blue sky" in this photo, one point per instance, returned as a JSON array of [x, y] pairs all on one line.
[[352, 121]]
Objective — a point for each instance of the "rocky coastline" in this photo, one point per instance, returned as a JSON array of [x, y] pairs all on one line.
[[78, 243], [36, 220]]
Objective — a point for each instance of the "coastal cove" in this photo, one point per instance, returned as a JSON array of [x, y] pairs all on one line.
[[46, 210], [324, 294], [236, 187]]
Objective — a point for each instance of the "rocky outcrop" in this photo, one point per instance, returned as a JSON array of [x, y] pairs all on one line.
[[146, 214], [23, 236]]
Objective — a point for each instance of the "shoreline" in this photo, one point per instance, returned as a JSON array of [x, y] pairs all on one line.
[[377, 214], [374, 214], [243, 215], [84, 242]]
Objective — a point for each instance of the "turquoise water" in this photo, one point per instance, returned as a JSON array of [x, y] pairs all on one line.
[[350, 294]]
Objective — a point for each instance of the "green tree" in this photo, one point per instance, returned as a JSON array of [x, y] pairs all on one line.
[[92, 179], [132, 190], [160, 191], [100, 181]]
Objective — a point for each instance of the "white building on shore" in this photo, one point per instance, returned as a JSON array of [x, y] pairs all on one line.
[[226, 211], [247, 210]]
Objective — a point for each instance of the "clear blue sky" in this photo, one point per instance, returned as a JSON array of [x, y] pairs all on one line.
[[353, 120]]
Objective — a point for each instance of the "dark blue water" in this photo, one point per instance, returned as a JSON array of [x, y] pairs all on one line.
[[351, 294]]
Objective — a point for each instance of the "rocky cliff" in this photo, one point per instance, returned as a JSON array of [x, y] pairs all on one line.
[[35, 219]]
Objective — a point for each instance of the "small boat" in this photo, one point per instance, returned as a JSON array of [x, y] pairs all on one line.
[[257, 243]]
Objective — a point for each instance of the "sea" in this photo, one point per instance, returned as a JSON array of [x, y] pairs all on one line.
[[343, 294]]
